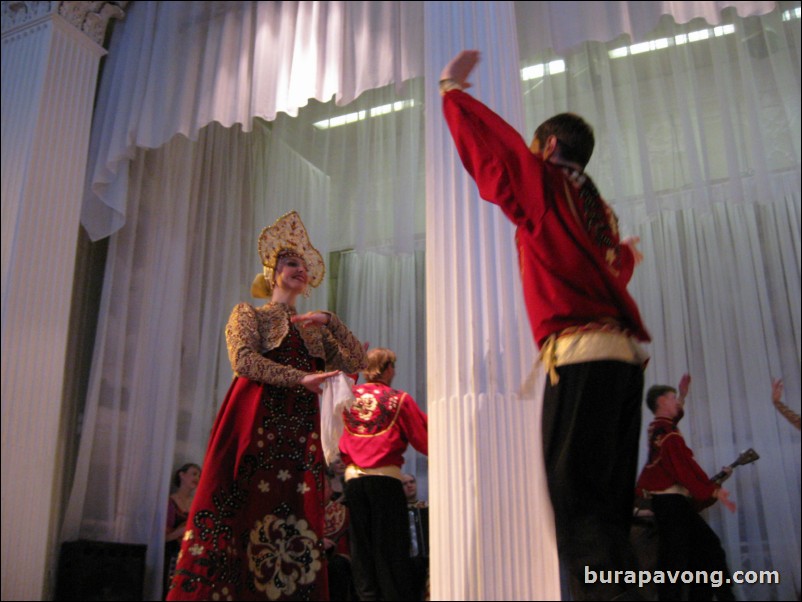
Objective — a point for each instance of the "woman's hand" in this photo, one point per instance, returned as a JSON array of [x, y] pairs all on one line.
[[312, 318], [314, 380]]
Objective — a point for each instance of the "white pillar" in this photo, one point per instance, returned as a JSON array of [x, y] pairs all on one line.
[[492, 533], [49, 72]]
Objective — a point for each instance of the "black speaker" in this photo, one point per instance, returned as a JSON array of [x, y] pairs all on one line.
[[100, 570]]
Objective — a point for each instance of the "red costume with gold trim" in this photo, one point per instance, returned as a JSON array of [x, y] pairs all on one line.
[[686, 541], [381, 424], [574, 275], [671, 462], [379, 427], [573, 269]]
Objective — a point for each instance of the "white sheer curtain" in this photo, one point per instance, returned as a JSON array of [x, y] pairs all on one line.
[[698, 149], [561, 26], [182, 65]]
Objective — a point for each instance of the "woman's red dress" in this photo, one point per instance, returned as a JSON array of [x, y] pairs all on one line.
[[255, 529]]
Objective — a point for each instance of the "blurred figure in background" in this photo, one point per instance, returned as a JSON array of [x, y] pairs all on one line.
[[418, 511], [185, 482]]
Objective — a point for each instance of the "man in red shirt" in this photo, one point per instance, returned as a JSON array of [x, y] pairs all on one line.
[[380, 425], [678, 488], [574, 270]]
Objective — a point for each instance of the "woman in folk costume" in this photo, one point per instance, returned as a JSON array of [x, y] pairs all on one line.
[[255, 531]]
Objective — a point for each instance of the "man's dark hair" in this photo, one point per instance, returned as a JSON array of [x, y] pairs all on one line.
[[655, 392], [574, 135]]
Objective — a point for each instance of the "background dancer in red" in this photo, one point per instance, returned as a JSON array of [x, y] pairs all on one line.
[[678, 488], [380, 425]]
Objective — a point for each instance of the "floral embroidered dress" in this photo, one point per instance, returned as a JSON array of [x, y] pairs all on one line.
[[255, 529]]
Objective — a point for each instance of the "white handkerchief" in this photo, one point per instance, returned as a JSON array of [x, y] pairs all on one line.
[[337, 397]]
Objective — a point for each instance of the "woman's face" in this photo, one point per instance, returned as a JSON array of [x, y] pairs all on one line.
[[190, 477], [291, 274]]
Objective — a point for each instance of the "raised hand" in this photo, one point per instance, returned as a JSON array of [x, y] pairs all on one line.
[[684, 385], [460, 67]]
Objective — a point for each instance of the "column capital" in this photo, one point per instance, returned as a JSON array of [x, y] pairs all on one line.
[[92, 18]]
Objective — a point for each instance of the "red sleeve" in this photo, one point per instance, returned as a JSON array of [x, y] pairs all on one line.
[[677, 458], [627, 263], [495, 155], [414, 424]]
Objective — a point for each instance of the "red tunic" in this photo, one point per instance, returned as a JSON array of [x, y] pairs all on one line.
[[671, 462], [574, 270], [379, 427]]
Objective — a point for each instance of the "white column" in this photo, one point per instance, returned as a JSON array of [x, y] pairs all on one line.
[[492, 532], [49, 72]]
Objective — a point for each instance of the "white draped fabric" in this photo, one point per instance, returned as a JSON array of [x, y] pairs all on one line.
[[183, 65], [237, 82], [564, 25]]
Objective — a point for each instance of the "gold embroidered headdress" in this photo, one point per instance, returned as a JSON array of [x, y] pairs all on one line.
[[287, 236]]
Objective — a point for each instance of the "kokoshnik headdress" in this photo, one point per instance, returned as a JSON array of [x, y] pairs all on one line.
[[287, 236]]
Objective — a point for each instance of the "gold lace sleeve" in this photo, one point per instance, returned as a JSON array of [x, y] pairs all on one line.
[[244, 351], [343, 350]]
